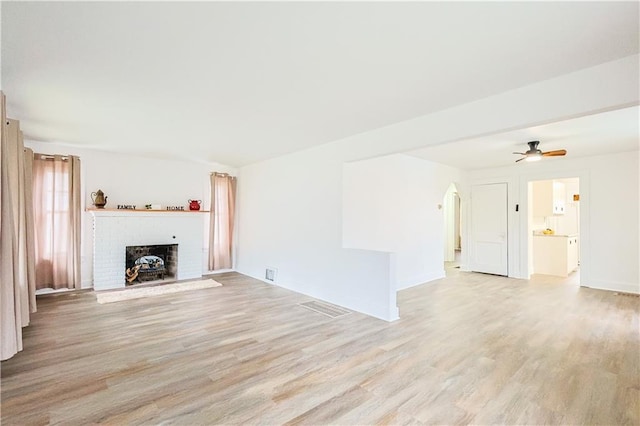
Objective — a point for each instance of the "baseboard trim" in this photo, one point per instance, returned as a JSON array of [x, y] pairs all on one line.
[[218, 271], [613, 286], [425, 278]]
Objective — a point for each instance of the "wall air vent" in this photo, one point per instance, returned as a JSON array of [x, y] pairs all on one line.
[[270, 274]]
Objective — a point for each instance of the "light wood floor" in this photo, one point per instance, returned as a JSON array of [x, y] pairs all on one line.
[[471, 348]]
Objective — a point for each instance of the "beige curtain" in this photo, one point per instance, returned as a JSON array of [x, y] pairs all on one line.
[[223, 200], [16, 231], [75, 217], [56, 198], [30, 234]]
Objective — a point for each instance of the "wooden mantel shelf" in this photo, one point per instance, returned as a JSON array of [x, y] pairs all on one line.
[[145, 211]]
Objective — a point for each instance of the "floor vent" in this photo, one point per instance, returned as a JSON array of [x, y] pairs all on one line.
[[619, 293], [270, 274], [327, 309]]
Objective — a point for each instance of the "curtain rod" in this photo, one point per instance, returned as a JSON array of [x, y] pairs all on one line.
[[222, 174], [51, 157]]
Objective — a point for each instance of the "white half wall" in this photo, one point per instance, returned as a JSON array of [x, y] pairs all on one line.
[[290, 214], [394, 204], [135, 180]]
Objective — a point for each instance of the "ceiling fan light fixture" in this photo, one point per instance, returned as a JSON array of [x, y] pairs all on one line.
[[533, 157]]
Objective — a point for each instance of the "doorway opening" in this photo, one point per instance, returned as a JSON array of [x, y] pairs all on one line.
[[554, 228], [452, 228]]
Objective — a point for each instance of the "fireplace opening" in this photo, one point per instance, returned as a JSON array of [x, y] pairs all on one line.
[[150, 263]]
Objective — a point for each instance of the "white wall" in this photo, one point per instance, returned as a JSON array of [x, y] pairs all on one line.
[[290, 214], [392, 204], [614, 221], [290, 208], [568, 223], [134, 180], [609, 221]]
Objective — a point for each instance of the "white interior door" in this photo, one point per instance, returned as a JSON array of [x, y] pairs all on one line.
[[488, 242]]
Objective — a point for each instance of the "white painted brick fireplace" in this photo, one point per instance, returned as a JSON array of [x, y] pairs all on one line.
[[114, 230]]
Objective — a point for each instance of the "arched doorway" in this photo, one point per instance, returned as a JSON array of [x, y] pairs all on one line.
[[452, 227]]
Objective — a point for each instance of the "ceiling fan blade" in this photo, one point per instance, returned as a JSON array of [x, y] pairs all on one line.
[[521, 153], [556, 153], [520, 159]]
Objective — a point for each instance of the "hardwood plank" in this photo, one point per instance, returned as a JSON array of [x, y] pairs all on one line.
[[468, 349]]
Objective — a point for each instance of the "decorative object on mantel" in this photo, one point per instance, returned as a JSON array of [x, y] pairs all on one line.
[[126, 207], [194, 204], [99, 199], [175, 208], [152, 206], [139, 292], [103, 211]]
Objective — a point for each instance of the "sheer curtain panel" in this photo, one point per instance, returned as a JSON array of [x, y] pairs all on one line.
[[56, 199], [223, 200]]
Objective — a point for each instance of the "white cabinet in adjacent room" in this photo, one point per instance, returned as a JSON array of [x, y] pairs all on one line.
[[548, 198], [559, 197], [573, 255], [555, 254]]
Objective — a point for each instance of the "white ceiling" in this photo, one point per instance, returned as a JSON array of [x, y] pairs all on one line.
[[237, 83], [610, 132]]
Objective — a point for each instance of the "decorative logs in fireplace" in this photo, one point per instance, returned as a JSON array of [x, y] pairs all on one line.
[[146, 263]]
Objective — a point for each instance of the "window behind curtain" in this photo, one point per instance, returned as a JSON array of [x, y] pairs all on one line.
[[56, 208]]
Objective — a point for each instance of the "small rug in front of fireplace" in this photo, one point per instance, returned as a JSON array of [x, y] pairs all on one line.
[[137, 293]]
